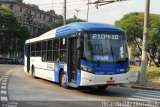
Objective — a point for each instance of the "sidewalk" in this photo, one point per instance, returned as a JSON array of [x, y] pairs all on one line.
[[147, 86]]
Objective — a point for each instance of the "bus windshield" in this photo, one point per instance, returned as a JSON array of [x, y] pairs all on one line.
[[105, 47]]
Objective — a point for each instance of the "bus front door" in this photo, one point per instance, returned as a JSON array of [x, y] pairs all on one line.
[[28, 58], [73, 60]]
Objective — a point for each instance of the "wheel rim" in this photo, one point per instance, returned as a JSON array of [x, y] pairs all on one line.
[[63, 80]]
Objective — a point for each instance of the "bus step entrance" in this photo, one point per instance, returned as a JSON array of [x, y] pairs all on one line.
[[73, 84], [73, 81]]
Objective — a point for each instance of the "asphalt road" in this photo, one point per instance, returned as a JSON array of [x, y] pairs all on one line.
[[19, 89]]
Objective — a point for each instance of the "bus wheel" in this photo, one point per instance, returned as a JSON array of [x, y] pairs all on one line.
[[33, 72], [63, 80]]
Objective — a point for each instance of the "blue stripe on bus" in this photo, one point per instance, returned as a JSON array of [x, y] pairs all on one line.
[[78, 77], [104, 69]]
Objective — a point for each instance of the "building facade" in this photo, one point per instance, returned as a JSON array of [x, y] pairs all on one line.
[[31, 16]]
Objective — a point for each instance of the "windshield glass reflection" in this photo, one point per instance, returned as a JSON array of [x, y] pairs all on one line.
[[105, 47]]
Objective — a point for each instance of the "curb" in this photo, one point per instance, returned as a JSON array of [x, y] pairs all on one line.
[[141, 87]]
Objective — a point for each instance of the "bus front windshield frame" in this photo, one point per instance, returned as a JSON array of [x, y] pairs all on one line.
[[105, 47]]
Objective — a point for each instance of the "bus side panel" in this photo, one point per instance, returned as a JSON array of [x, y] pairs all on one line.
[[87, 79], [118, 78], [78, 78]]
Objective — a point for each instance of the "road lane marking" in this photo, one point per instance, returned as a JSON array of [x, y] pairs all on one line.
[[6, 76], [3, 92], [149, 91], [137, 99], [4, 80], [4, 83], [3, 87], [157, 93], [146, 98], [150, 95], [4, 98], [140, 98]]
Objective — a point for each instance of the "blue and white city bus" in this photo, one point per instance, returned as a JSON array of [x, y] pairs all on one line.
[[79, 54]]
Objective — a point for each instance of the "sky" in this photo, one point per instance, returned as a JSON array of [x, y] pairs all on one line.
[[104, 14]]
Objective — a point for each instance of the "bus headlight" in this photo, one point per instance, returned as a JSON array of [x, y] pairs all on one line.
[[87, 69]]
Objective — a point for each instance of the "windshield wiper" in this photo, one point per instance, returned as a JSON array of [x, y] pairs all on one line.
[[97, 62], [122, 60], [112, 53], [101, 50]]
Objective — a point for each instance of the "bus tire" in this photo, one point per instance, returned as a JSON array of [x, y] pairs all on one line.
[[63, 80], [33, 71]]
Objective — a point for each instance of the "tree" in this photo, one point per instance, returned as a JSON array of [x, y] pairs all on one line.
[[12, 35], [59, 22], [154, 40], [43, 30], [74, 19], [132, 23]]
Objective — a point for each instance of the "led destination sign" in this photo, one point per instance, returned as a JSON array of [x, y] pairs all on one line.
[[105, 36]]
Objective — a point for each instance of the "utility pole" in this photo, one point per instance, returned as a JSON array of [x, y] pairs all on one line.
[[77, 12], [64, 20], [52, 4], [144, 59], [88, 10]]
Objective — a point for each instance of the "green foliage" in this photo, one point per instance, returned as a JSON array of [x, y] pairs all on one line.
[[71, 20], [135, 52], [43, 30], [133, 23], [12, 35], [74, 19], [153, 73]]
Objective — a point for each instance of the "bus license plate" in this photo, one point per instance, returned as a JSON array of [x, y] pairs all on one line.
[[110, 82]]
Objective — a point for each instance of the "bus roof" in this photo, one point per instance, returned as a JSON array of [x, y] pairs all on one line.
[[84, 26], [74, 28]]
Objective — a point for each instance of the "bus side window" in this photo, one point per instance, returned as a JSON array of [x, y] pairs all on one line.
[[44, 53], [55, 49], [38, 49], [49, 50], [63, 51], [33, 49]]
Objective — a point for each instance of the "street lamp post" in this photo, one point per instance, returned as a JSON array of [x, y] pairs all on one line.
[[145, 44], [64, 20], [77, 12], [88, 10]]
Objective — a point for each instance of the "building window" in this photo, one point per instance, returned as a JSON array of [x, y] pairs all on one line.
[[21, 9], [35, 14], [39, 15], [20, 18], [44, 17], [11, 6]]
